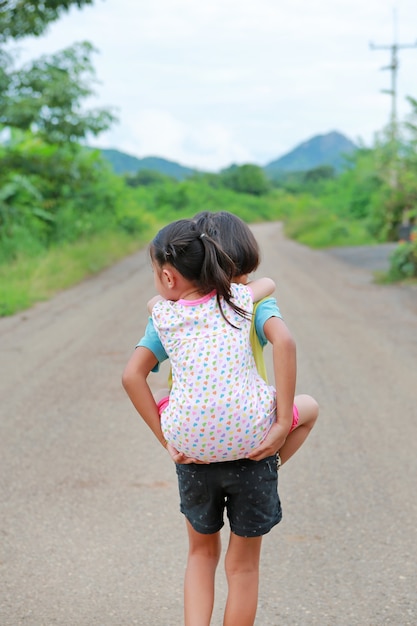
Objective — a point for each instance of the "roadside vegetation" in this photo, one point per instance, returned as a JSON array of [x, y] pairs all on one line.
[[65, 215]]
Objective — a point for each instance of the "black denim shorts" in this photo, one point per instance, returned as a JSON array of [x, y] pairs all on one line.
[[248, 490]]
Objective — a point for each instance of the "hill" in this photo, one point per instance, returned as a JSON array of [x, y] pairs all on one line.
[[123, 163], [326, 149]]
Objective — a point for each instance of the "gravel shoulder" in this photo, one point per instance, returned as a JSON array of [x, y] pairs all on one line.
[[90, 524]]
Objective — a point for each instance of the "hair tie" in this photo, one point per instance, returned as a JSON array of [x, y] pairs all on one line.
[[202, 235], [169, 250]]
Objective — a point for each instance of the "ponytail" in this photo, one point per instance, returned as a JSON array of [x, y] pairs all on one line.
[[198, 258]]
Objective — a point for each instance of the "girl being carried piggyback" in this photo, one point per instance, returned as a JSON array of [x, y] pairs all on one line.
[[219, 407]]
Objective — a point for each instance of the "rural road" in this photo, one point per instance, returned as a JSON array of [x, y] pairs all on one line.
[[91, 532]]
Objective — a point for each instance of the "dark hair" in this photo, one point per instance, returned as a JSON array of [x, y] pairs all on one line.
[[197, 257], [234, 236]]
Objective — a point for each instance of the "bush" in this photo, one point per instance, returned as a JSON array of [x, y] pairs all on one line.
[[403, 261]]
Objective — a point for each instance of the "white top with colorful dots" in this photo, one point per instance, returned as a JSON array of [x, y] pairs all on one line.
[[219, 407]]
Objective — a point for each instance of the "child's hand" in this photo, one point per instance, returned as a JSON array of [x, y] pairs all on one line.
[[180, 458], [272, 443]]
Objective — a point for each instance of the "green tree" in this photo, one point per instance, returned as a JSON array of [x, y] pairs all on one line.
[[246, 178], [395, 164], [146, 178], [19, 18], [410, 158], [45, 97], [318, 174], [51, 189]]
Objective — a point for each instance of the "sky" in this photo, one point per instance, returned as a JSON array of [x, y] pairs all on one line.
[[208, 84]]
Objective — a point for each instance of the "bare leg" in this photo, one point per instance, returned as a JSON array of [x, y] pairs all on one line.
[[242, 572], [203, 557], [308, 411]]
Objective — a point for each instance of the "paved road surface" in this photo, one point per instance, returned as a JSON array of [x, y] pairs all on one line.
[[90, 528], [372, 258]]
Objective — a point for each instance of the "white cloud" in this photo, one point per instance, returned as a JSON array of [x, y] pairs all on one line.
[[158, 133]]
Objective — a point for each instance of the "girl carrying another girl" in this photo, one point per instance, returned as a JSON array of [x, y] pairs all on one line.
[[204, 326]]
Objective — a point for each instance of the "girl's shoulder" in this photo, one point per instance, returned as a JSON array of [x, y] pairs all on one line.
[[163, 308], [242, 296], [240, 288]]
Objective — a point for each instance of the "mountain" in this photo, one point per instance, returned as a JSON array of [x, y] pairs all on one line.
[[326, 149], [319, 150], [123, 163]]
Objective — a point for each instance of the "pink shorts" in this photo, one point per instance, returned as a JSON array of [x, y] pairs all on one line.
[[162, 404], [295, 418]]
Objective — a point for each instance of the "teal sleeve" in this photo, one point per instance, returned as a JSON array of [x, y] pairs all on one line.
[[151, 341], [266, 308]]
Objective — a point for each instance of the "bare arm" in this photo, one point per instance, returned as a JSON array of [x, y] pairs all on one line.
[[135, 383], [261, 288], [285, 370]]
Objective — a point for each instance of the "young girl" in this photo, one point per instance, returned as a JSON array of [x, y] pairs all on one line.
[[238, 241], [219, 408], [194, 275]]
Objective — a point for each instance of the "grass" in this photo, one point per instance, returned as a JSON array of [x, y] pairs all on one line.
[[32, 279], [37, 277]]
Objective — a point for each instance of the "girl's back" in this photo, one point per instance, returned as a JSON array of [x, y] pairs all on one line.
[[219, 407]]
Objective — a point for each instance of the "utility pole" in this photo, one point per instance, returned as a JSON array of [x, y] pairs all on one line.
[[393, 66], [393, 127]]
